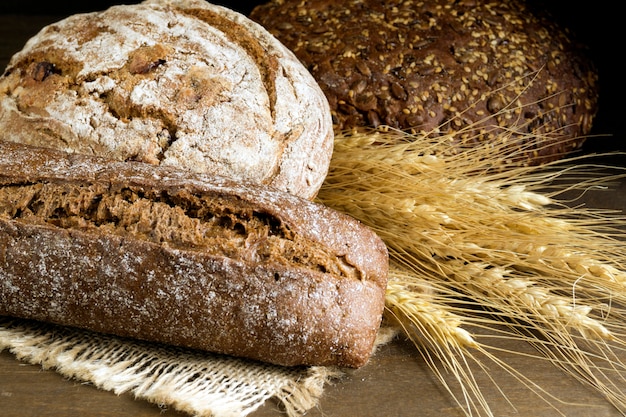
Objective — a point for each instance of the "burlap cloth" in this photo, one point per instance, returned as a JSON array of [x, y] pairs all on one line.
[[198, 383]]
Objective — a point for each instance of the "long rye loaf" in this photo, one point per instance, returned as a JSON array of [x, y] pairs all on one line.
[[161, 254]]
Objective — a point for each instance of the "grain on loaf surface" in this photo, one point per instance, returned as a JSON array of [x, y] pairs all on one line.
[[441, 66], [159, 254], [171, 82]]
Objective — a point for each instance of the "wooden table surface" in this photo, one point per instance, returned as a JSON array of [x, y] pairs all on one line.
[[397, 381]]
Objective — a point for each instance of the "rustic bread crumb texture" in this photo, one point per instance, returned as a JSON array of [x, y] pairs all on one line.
[[161, 254], [441, 66], [171, 82]]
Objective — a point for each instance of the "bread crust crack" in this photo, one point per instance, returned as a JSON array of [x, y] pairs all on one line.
[[213, 225]]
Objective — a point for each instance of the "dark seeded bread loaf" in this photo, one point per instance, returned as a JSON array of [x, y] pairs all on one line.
[[443, 66], [159, 254]]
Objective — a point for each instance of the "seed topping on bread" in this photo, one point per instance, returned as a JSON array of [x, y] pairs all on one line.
[[481, 70]]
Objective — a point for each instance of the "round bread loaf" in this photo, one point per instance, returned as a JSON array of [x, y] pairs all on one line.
[[486, 71], [172, 82]]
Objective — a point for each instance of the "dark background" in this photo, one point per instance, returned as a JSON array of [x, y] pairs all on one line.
[[596, 24]]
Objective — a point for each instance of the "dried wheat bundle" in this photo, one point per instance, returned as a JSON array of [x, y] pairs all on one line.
[[474, 244]]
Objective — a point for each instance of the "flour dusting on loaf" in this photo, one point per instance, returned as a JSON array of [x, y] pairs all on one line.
[[183, 83], [165, 255]]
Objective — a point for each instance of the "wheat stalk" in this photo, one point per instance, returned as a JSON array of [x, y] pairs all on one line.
[[494, 236], [438, 326], [526, 295], [412, 306], [420, 308]]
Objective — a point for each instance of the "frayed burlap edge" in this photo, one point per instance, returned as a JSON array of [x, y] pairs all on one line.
[[197, 383]]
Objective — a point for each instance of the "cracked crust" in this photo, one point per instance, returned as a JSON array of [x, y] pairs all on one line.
[[168, 82], [161, 254]]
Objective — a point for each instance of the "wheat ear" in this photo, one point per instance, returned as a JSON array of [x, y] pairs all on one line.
[[485, 233], [431, 316]]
